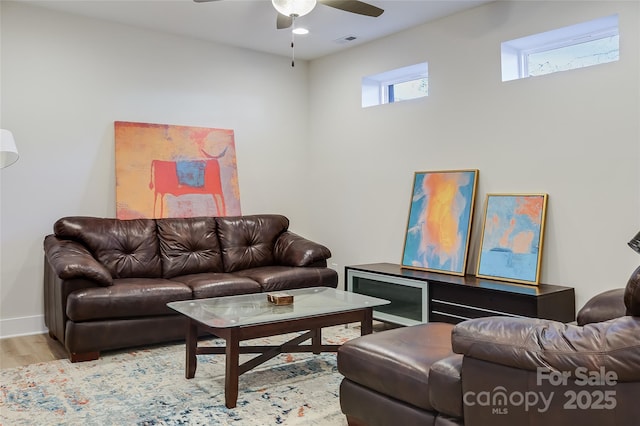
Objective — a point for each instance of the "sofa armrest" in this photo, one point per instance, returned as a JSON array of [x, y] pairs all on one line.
[[603, 307], [293, 250], [445, 386], [69, 259], [528, 344]]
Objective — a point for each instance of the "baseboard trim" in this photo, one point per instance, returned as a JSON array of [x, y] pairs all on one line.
[[22, 326]]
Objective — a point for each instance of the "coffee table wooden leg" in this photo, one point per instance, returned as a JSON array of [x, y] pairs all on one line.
[[316, 340], [192, 345], [232, 372], [366, 325]]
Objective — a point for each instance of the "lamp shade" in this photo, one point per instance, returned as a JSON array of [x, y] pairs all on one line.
[[294, 7], [635, 242], [8, 150]]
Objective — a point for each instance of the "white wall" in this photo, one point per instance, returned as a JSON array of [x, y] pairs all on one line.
[[66, 79], [574, 135]]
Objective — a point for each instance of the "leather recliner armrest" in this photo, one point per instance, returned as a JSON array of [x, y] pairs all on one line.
[[603, 307], [70, 259], [293, 250], [527, 343]]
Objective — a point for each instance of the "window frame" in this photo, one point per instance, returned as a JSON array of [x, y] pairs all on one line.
[[387, 84], [515, 53], [382, 81], [558, 44]]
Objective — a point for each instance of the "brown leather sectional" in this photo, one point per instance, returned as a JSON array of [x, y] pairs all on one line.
[[107, 281], [500, 371]]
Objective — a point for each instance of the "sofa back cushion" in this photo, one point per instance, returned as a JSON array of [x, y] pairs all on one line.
[[189, 246], [127, 248], [248, 241]]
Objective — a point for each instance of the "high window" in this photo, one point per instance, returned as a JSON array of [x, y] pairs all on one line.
[[397, 85], [576, 46]]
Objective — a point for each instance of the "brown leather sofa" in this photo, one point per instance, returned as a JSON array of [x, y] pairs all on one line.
[[501, 371], [107, 281]]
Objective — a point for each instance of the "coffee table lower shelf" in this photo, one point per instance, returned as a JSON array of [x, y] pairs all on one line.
[[234, 335]]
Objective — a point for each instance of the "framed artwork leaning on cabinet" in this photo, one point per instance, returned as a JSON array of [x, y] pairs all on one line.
[[512, 237], [439, 223]]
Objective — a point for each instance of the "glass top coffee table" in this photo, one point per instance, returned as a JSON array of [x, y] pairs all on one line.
[[250, 316]]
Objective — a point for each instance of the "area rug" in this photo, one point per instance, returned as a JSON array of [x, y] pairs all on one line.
[[148, 387]]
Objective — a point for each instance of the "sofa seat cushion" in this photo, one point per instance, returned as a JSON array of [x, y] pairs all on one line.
[[396, 362], [126, 298], [218, 284], [278, 278]]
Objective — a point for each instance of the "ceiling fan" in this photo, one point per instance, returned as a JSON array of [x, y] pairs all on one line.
[[288, 10]]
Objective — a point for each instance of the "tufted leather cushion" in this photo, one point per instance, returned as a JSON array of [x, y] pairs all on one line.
[[248, 241], [632, 294], [189, 246], [127, 248]]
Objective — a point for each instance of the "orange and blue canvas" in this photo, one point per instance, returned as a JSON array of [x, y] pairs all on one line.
[[512, 237], [175, 171], [439, 224]]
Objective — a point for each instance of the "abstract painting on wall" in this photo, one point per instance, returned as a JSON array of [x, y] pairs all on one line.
[[175, 171], [439, 225], [512, 235]]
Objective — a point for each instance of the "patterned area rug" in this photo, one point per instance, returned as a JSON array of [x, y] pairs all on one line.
[[148, 387]]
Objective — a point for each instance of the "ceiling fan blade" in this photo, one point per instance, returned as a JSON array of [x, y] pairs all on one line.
[[203, 1], [354, 6], [283, 21]]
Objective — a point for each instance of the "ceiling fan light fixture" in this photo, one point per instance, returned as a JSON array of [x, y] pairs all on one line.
[[294, 7], [300, 31]]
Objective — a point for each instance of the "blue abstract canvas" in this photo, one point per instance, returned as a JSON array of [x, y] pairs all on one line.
[[512, 236], [439, 224]]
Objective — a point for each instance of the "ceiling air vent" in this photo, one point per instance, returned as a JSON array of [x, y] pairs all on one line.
[[346, 39]]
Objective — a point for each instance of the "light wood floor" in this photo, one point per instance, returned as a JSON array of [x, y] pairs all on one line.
[[25, 350]]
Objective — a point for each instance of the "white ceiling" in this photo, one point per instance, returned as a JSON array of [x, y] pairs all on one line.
[[252, 23]]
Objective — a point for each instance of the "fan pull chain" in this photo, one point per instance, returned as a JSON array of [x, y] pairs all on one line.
[[293, 36]]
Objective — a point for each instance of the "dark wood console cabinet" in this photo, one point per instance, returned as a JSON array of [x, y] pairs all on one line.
[[419, 296]]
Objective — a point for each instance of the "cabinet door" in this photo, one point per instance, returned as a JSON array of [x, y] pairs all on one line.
[[408, 297], [454, 303]]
